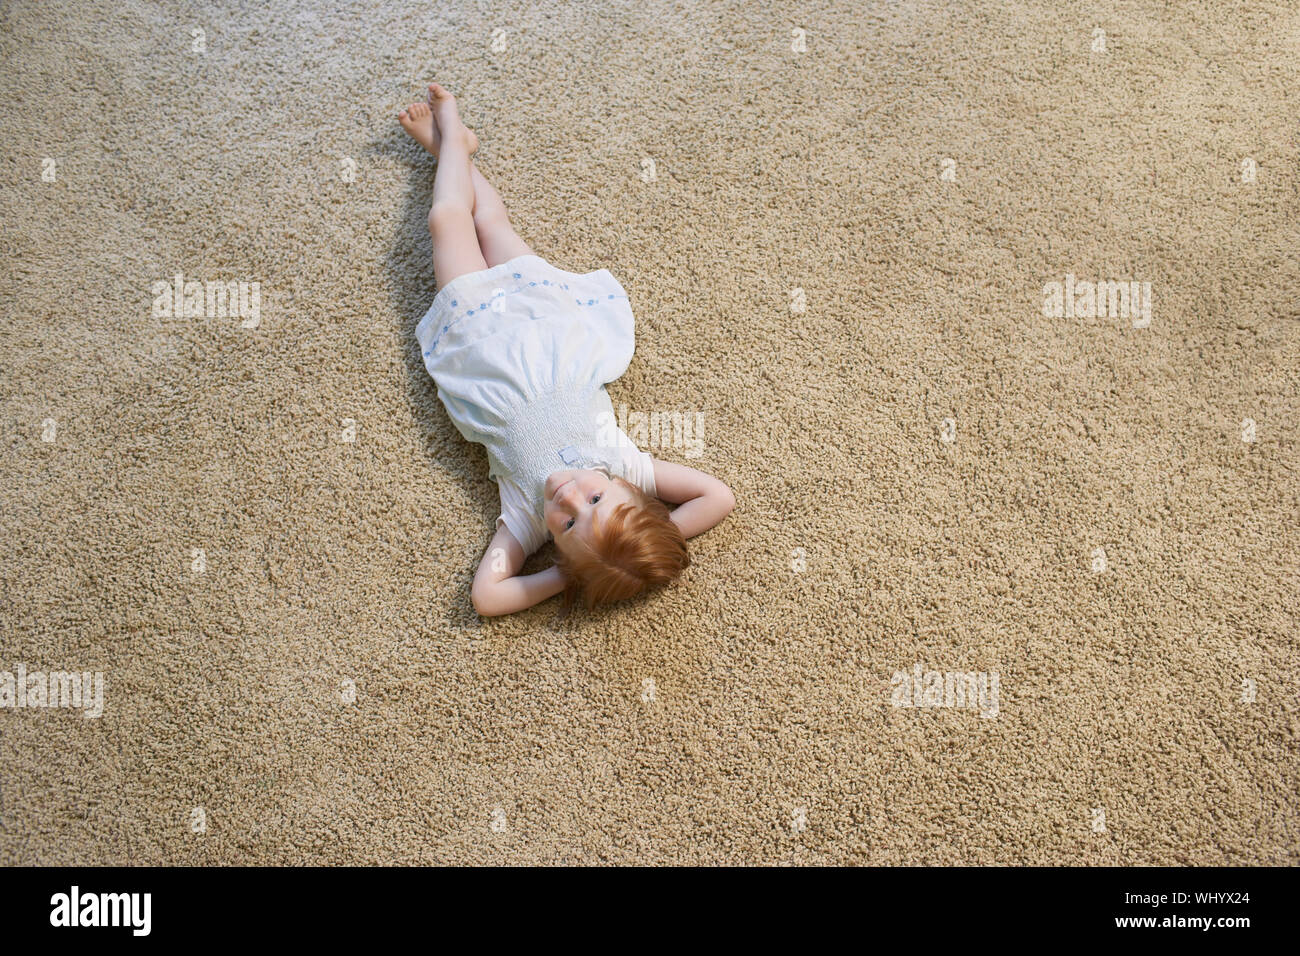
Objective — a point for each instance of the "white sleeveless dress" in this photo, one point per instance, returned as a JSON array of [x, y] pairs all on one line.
[[507, 338]]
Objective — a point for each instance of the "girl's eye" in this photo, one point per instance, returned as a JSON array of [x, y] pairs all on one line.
[[595, 498], [568, 524]]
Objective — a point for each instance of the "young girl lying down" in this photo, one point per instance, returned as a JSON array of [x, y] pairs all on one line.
[[521, 352]]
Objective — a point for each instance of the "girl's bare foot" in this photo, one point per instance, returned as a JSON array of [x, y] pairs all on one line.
[[447, 116], [418, 120]]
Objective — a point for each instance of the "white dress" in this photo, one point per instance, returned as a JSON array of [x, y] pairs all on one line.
[[499, 339]]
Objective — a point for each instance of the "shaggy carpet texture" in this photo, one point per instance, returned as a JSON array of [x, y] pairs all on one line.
[[840, 225]]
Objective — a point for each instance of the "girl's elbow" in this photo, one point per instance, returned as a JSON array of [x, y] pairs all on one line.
[[484, 601], [726, 500]]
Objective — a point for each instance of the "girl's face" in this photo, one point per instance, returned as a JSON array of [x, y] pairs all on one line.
[[576, 500]]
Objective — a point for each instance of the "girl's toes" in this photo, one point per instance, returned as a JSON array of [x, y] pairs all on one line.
[[417, 120]]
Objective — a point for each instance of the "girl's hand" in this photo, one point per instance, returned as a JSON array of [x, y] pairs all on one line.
[[497, 590], [702, 500]]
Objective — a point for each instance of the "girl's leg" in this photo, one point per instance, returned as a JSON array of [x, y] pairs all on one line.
[[451, 215], [496, 237], [498, 242]]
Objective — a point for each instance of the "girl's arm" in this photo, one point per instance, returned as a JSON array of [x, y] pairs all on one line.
[[702, 500], [497, 590]]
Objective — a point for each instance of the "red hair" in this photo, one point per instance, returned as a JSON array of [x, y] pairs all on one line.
[[636, 548]]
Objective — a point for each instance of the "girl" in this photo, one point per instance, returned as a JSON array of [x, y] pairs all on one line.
[[521, 352]]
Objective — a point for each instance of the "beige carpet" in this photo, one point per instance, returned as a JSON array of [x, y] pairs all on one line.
[[314, 687]]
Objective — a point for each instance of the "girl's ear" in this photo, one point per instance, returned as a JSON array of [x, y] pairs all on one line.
[[627, 486], [642, 499]]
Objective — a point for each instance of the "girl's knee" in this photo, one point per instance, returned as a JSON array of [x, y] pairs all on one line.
[[444, 215], [491, 220]]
